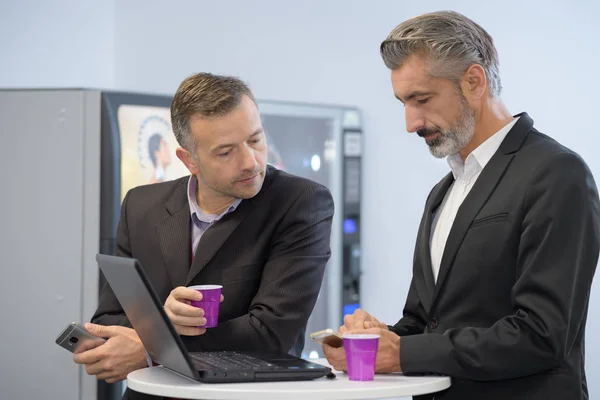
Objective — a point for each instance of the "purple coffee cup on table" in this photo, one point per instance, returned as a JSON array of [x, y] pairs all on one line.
[[361, 353], [211, 299]]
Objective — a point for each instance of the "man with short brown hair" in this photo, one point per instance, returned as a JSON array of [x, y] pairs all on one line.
[[235, 221]]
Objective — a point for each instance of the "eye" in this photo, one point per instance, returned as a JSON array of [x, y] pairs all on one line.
[[255, 141], [423, 101], [223, 154]]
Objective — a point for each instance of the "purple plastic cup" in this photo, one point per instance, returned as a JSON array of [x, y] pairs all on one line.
[[211, 298], [361, 353]]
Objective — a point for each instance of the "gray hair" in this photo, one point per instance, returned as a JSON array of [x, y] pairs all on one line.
[[452, 42]]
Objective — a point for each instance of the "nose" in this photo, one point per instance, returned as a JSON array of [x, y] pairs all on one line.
[[249, 162], [414, 119]]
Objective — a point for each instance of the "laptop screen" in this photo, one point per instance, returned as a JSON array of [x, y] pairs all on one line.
[[145, 312]]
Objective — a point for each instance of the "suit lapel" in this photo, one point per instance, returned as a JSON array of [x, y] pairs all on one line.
[[482, 190], [216, 235], [174, 236], [424, 248]]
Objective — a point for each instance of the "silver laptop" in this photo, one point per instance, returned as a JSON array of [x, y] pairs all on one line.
[[145, 312]]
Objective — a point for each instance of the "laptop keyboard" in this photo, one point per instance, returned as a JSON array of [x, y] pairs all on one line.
[[230, 360]]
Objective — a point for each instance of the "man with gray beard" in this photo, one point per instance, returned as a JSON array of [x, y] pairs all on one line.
[[509, 240]]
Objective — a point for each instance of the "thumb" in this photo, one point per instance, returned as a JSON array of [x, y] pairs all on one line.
[[101, 330]]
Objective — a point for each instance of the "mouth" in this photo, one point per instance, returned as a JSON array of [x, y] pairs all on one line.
[[248, 180], [431, 137], [430, 134]]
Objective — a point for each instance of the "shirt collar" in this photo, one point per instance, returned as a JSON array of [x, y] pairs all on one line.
[[482, 154], [196, 211]]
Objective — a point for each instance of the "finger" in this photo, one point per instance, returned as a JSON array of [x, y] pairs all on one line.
[[370, 331], [88, 345], [111, 373], [222, 298], [363, 331], [183, 320], [339, 367], [355, 320], [114, 380], [327, 350], [343, 330], [188, 321], [336, 357], [183, 293], [362, 315], [184, 310], [108, 375], [372, 322], [334, 354], [90, 356], [95, 369], [101, 330], [348, 320], [189, 330]]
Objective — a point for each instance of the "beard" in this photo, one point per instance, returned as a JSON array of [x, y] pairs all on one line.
[[241, 190], [452, 140]]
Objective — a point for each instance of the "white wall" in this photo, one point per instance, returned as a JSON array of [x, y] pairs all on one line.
[[57, 43], [327, 52]]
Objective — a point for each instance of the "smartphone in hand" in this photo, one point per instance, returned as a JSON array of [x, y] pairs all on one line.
[[328, 336], [74, 335]]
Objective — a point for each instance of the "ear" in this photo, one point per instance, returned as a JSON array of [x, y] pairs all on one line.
[[187, 159], [474, 82]]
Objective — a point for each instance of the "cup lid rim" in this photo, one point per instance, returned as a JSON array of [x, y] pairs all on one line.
[[205, 287], [361, 336]]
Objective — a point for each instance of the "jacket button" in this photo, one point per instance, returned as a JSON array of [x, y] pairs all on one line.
[[433, 323]]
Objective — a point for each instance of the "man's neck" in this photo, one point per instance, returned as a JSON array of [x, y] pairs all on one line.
[[492, 117], [215, 205]]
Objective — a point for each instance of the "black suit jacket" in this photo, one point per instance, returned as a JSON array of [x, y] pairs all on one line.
[[269, 255], [506, 318]]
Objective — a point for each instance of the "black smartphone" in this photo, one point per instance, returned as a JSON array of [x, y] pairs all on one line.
[[74, 335]]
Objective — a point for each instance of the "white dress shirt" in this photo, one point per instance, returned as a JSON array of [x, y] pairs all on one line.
[[465, 176]]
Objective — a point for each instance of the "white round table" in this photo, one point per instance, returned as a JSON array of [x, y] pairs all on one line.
[[159, 381]]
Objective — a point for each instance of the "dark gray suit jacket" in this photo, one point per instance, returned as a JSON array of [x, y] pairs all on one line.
[[506, 318], [269, 255]]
